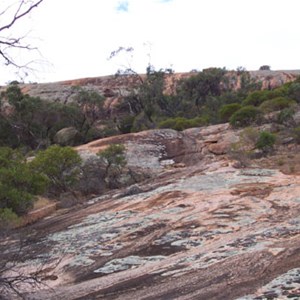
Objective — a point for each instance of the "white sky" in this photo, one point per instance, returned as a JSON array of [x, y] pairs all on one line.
[[76, 37]]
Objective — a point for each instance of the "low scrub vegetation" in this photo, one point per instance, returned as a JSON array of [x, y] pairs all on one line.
[[265, 142], [30, 126], [246, 116], [276, 104]]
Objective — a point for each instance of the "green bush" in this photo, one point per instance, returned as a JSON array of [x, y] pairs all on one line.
[[246, 116], [226, 111], [114, 155], [60, 165], [266, 141], [18, 184], [285, 117], [256, 98], [8, 219], [115, 160], [125, 124], [94, 133], [296, 134], [141, 122], [276, 104], [294, 91], [181, 123]]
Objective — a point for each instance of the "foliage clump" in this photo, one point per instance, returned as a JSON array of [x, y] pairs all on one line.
[[276, 104], [296, 134], [60, 165], [227, 110], [115, 160], [18, 184], [256, 98], [181, 123], [266, 141], [246, 116]]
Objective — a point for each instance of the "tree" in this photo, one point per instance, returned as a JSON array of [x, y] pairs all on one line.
[[198, 88], [18, 184], [60, 165], [26, 122], [10, 17], [91, 105], [147, 98], [114, 156], [265, 68], [115, 160]]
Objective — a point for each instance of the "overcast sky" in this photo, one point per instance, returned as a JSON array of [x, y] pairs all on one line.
[[76, 37]]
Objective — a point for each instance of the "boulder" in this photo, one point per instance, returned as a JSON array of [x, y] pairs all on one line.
[[69, 136], [219, 148]]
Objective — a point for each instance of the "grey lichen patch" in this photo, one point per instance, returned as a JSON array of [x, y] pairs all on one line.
[[258, 172], [173, 210], [285, 286], [145, 155], [121, 264], [297, 199], [91, 238]]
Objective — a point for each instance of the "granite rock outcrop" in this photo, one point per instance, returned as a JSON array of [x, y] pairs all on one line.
[[197, 228]]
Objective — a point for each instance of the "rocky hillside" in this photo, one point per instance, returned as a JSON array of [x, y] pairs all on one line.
[[114, 87], [199, 228]]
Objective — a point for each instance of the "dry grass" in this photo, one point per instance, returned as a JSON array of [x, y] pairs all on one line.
[[41, 202], [287, 161]]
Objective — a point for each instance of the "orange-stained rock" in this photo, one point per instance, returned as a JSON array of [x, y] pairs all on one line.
[[219, 148]]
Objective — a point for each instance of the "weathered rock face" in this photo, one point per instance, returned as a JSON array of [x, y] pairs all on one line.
[[116, 87], [203, 230]]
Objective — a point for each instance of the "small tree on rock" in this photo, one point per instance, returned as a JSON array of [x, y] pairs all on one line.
[[60, 165], [115, 160], [18, 184]]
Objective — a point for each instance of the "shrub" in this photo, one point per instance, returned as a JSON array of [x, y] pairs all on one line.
[[125, 125], [168, 123], [226, 111], [246, 116], [265, 68], [181, 123], [275, 104], [141, 122], [256, 98], [285, 117], [59, 165], [249, 137], [242, 151], [294, 91], [8, 219], [115, 160], [18, 184], [296, 134], [114, 155], [266, 141], [94, 133]]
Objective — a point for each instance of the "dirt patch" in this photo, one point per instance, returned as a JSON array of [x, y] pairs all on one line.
[[259, 190], [38, 214]]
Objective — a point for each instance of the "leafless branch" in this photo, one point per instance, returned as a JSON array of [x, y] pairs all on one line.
[[8, 43], [19, 14]]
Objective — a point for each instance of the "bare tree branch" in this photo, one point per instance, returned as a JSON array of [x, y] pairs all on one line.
[[18, 15], [7, 42]]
